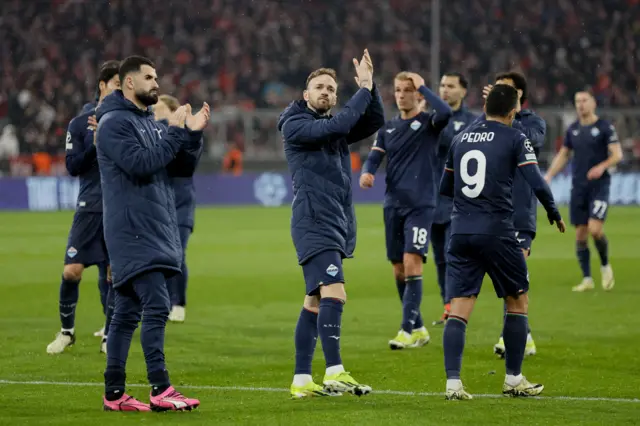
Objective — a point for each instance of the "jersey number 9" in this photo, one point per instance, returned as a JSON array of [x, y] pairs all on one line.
[[473, 183]]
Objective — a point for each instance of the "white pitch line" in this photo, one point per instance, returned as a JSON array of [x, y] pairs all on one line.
[[283, 390]]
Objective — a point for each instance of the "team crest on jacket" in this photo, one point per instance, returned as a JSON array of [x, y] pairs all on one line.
[[415, 125], [595, 132], [71, 252]]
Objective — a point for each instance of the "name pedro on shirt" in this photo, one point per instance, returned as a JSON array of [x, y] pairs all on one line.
[[473, 137]]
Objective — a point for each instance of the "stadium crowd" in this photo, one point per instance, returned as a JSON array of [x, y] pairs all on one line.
[[256, 54]]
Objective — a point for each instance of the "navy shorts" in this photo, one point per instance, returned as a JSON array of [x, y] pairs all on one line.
[[589, 203], [322, 269], [407, 231], [525, 240], [470, 257], [86, 245]]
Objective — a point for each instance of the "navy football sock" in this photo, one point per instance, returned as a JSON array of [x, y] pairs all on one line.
[[602, 244], [159, 381], [114, 382], [453, 342], [515, 340], [411, 302], [329, 324], [401, 285], [504, 317], [584, 258], [103, 286], [306, 336], [69, 293]]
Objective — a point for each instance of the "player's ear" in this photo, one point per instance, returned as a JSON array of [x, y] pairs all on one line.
[[305, 95]]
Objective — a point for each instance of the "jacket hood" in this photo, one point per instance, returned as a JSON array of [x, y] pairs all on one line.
[[294, 108], [524, 113], [116, 101]]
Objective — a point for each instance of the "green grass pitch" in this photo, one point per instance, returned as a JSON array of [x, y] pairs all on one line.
[[235, 351]]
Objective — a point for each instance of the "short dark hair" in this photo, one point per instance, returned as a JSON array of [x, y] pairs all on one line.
[[461, 78], [133, 64], [519, 80], [322, 71], [108, 70], [501, 101]]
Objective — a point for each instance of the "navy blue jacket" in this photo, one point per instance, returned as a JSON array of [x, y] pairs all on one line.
[[185, 193], [81, 161], [138, 158], [525, 204], [460, 120], [317, 151]]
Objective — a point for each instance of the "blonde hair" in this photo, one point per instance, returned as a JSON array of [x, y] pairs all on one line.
[[403, 76], [322, 71], [170, 102]]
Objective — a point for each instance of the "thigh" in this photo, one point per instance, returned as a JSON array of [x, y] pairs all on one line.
[[506, 266], [85, 244], [599, 202], [126, 301], [322, 269], [465, 268], [394, 234], [579, 207], [416, 231], [151, 289]]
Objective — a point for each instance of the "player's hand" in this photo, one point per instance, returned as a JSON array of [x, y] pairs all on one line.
[[179, 117], [366, 180], [92, 123], [561, 226], [200, 120], [486, 90], [595, 172], [364, 71], [417, 80]]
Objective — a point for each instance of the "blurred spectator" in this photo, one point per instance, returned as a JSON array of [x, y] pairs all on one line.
[[256, 54]]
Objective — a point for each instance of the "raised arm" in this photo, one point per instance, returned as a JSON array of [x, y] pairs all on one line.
[[78, 158], [186, 161], [371, 121], [442, 109], [118, 141], [300, 129]]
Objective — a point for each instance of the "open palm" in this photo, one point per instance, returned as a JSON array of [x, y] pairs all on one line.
[[200, 120]]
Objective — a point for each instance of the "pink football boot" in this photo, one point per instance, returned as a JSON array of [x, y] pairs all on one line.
[[125, 403], [172, 400]]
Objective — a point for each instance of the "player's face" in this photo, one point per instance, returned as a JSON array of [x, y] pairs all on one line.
[[322, 93], [161, 111], [585, 103], [451, 91], [144, 84], [407, 97]]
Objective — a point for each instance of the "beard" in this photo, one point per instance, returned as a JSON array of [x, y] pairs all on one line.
[[321, 107], [147, 98]]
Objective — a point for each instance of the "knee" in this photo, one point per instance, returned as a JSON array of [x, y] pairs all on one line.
[[595, 229], [398, 271], [412, 264], [582, 233], [73, 272], [312, 304], [334, 291], [519, 304]]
